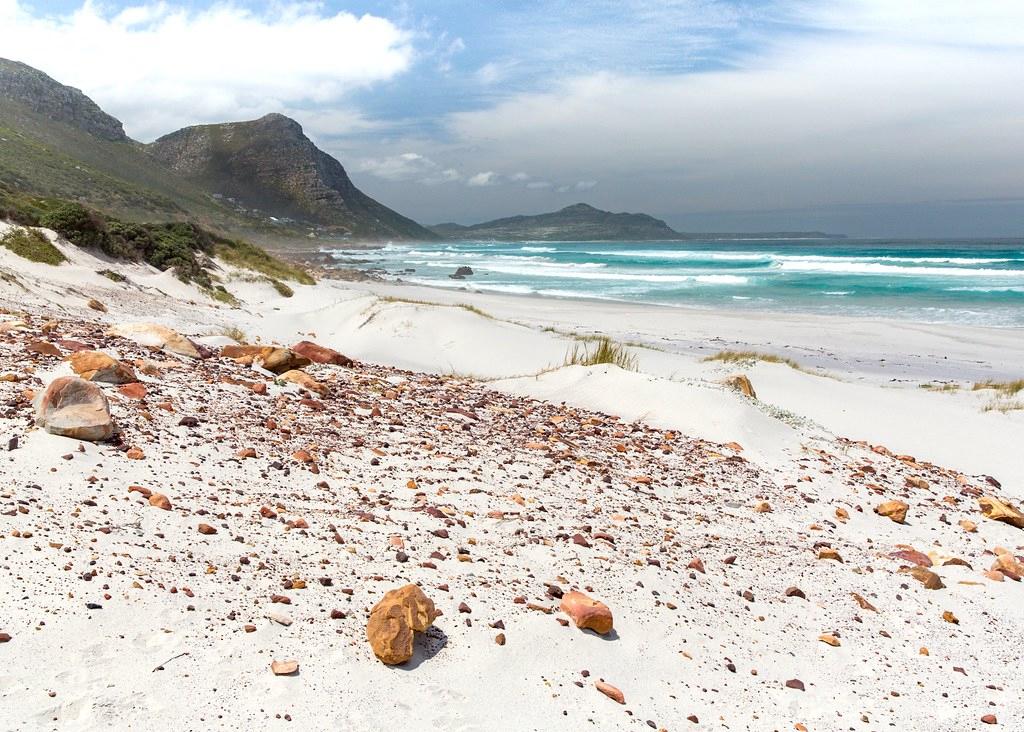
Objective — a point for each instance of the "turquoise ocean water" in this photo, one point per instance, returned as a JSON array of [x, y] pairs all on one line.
[[970, 282]]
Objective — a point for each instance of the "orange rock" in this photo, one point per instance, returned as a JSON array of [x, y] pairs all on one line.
[[134, 453], [915, 482], [135, 390], [160, 501], [842, 514], [827, 553], [926, 577], [893, 510], [146, 492], [247, 453], [829, 639], [587, 613], [284, 668], [394, 619], [998, 510], [610, 691], [98, 366], [304, 380], [267, 512], [207, 529], [302, 456]]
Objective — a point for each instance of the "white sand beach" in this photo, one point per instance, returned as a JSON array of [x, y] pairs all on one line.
[[458, 453]]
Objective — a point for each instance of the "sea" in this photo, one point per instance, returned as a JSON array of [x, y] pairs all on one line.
[[977, 282]]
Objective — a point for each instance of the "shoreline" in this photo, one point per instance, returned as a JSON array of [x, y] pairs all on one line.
[[730, 536]]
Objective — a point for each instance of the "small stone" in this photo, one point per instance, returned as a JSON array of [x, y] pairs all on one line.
[[284, 668], [159, 500], [829, 639], [500, 639], [610, 691], [206, 529], [795, 684]]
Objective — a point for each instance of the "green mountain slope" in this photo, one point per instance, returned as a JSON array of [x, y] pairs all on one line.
[[269, 165], [56, 142]]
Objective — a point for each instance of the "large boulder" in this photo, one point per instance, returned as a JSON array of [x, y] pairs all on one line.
[[157, 336], [1003, 511], [74, 407], [394, 619], [321, 354], [98, 366], [587, 613]]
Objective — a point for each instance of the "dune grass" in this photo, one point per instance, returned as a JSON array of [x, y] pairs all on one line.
[[244, 255], [234, 333], [1006, 388], [743, 356], [463, 306], [601, 350], [33, 246], [939, 386]]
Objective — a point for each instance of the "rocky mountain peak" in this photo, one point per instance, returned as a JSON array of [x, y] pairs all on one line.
[[44, 95]]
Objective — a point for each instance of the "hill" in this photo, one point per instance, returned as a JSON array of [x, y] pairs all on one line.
[[581, 222], [56, 142], [269, 165]]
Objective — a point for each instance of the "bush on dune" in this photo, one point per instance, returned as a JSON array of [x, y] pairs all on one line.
[[33, 246]]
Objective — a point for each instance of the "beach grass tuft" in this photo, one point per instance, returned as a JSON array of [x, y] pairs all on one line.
[[744, 356], [33, 246], [1006, 388], [464, 306], [592, 352]]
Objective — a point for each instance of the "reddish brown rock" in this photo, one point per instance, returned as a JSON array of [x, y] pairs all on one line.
[[206, 529], [73, 407], [394, 619], [135, 390], [321, 354], [43, 348], [913, 556], [587, 613], [926, 577]]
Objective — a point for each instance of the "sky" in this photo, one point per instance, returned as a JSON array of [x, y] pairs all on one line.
[[895, 118]]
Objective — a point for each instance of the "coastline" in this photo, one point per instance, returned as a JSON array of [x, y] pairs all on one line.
[[458, 453]]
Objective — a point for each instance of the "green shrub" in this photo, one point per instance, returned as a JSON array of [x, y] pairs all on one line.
[[77, 224], [33, 246]]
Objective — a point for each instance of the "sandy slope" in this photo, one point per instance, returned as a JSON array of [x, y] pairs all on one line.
[[718, 644]]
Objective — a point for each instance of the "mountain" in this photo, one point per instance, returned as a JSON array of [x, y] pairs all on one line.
[[56, 142], [20, 83], [581, 222], [269, 165]]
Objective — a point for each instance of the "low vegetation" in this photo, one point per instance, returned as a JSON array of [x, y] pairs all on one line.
[[33, 246], [746, 356], [244, 255], [946, 387], [599, 351], [185, 248], [462, 306], [1005, 388]]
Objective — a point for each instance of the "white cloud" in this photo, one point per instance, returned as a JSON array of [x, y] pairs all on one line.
[[159, 67], [814, 120], [487, 178]]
